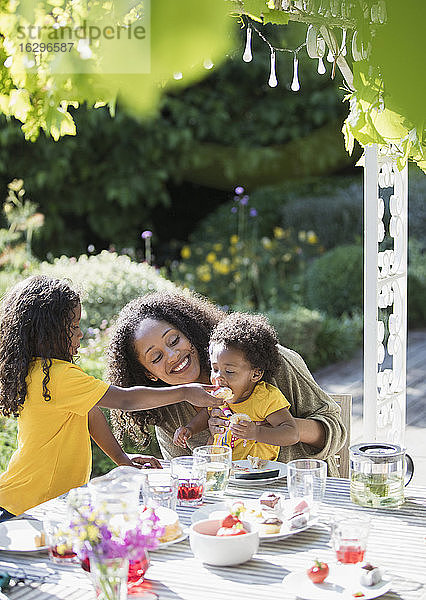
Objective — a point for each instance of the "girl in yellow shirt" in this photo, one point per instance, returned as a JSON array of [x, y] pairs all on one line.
[[54, 399], [244, 357]]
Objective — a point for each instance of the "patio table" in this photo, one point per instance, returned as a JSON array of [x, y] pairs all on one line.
[[396, 543]]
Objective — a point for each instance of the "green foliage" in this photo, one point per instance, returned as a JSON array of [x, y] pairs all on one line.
[[334, 282], [245, 270], [108, 281], [7, 440], [39, 92], [416, 284], [319, 338]]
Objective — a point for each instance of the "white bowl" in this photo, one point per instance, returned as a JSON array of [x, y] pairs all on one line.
[[221, 551]]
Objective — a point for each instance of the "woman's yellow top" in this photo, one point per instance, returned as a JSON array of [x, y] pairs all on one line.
[[54, 452], [263, 401]]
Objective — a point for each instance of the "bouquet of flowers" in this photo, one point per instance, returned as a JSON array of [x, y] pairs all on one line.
[[109, 544]]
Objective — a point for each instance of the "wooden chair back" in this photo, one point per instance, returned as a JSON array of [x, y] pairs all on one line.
[[345, 403]]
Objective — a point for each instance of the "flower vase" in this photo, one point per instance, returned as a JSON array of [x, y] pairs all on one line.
[[110, 578]]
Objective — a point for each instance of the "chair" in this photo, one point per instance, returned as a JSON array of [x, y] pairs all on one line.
[[345, 403]]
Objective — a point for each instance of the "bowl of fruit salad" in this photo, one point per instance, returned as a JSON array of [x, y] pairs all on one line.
[[223, 542]]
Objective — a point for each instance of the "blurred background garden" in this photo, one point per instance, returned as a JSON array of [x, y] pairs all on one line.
[[240, 191]]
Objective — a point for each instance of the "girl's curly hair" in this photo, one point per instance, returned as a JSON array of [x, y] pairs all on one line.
[[35, 322], [254, 336], [189, 313]]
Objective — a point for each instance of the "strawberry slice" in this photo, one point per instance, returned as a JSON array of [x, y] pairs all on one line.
[[230, 521]]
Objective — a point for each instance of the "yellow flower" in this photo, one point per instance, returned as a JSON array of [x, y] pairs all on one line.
[[287, 257], [222, 267], [185, 252], [278, 232], [233, 239], [266, 243], [211, 257], [312, 237], [92, 533], [203, 273], [217, 247], [302, 236], [232, 250], [205, 277], [237, 277]]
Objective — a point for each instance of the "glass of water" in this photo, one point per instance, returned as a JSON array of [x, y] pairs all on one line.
[[160, 488], [217, 467], [306, 479]]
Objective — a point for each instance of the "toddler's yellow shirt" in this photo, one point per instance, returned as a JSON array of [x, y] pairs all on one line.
[[54, 452], [263, 401]]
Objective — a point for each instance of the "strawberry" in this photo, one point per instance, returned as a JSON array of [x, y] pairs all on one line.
[[230, 521], [318, 572], [227, 531]]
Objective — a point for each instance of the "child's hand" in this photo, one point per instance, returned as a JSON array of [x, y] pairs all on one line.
[[217, 421], [245, 430], [182, 434], [146, 462]]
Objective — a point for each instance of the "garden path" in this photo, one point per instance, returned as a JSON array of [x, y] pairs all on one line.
[[346, 377]]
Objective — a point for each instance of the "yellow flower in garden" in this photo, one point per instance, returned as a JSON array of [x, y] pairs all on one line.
[[185, 252], [217, 247], [237, 277], [287, 257], [312, 237], [302, 236], [211, 257], [234, 239], [278, 232], [203, 273], [222, 267], [266, 243], [233, 250], [205, 277]]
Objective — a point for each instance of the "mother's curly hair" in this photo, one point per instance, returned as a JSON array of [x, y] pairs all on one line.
[[36, 316], [189, 313], [254, 336]]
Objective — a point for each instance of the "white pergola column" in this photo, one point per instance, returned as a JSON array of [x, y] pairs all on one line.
[[385, 296]]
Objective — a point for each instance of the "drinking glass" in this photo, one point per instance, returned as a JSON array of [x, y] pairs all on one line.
[[217, 469], [350, 539], [306, 478], [160, 488], [59, 542], [191, 473]]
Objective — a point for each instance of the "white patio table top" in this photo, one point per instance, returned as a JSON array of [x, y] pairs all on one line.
[[396, 543]]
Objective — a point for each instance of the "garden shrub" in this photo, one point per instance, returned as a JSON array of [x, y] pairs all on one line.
[[317, 337], [416, 285], [108, 281], [334, 282]]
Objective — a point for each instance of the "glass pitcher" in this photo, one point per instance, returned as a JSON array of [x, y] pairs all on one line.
[[378, 474]]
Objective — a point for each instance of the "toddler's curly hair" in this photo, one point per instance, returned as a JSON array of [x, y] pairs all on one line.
[[254, 336], [35, 322]]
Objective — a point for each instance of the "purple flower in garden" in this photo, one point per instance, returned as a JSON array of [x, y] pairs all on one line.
[[234, 209], [253, 212], [244, 200], [146, 234], [239, 190]]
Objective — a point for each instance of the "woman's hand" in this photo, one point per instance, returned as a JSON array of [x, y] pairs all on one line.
[[217, 422], [197, 394], [182, 435], [145, 462]]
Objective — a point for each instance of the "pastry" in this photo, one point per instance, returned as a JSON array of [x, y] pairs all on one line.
[[170, 521], [270, 500], [255, 462], [370, 575], [269, 526], [40, 540], [225, 393], [237, 417], [298, 521]]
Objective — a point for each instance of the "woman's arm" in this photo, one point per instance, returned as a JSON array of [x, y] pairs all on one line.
[[282, 429], [144, 398], [102, 435], [311, 432]]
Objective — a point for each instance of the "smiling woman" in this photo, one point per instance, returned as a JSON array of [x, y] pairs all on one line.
[[163, 338]]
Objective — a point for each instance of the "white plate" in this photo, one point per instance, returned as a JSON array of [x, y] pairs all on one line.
[[205, 511], [182, 537], [19, 535], [341, 584], [271, 465]]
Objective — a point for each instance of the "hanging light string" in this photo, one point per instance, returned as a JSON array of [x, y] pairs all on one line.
[[248, 56]]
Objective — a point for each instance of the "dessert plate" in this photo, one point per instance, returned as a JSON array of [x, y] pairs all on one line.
[[183, 536], [341, 584], [244, 465], [20, 535], [221, 509]]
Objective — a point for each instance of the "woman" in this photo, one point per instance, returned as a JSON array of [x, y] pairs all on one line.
[[162, 338]]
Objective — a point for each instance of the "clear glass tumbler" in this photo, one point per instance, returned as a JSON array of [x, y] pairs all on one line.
[[217, 468]]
